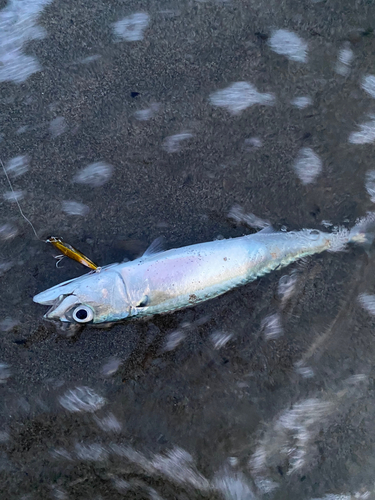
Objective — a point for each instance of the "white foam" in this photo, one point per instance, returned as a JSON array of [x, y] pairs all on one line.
[[121, 485], [82, 399], [333, 496], [288, 44], [74, 208], [148, 113], [4, 372], [13, 196], [173, 340], [233, 485], [291, 437], [239, 96], [61, 453], [344, 60], [172, 144], [96, 174], [303, 370], [272, 326], [131, 28], [111, 367], [57, 126], [301, 102], [365, 134], [220, 339], [7, 324], [370, 184], [4, 436], [176, 465], [286, 288], [17, 166], [367, 301], [8, 232], [17, 27], [253, 143], [5, 266], [92, 452], [60, 494], [90, 59], [237, 214], [368, 85], [109, 423], [307, 165]]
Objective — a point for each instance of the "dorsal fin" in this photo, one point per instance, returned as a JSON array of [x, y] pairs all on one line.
[[268, 230], [156, 246]]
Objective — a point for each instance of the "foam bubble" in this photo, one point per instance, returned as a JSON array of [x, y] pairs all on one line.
[[131, 28], [220, 339], [272, 326], [367, 301], [74, 208], [368, 84], [365, 134], [239, 96], [96, 174], [148, 113], [307, 165], [81, 399], [288, 44], [173, 340], [172, 144], [17, 166], [344, 60], [370, 184], [111, 367], [4, 372], [8, 232], [17, 27], [301, 102], [57, 126], [13, 196]]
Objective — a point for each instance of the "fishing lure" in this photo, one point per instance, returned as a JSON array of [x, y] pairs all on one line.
[[71, 252]]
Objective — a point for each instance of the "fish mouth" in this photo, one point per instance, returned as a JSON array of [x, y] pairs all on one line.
[[60, 306], [54, 305]]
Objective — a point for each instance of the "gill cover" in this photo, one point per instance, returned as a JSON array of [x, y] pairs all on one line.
[[98, 297]]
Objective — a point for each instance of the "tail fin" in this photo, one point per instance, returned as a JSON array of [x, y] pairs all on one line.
[[363, 233]]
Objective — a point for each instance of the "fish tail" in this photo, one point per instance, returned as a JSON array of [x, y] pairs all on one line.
[[363, 233]]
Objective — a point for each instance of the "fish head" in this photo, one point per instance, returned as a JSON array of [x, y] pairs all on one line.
[[96, 297]]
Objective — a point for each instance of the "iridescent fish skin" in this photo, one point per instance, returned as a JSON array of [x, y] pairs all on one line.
[[166, 281]]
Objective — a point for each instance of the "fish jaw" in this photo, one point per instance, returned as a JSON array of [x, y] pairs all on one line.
[[51, 295], [102, 294], [60, 307]]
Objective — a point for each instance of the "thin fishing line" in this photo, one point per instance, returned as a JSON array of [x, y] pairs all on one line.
[[15, 199], [68, 251]]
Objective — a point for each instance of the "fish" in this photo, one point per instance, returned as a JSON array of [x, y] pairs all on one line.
[[163, 281]]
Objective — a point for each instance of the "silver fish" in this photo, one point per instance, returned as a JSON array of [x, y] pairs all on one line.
[[165, 281]]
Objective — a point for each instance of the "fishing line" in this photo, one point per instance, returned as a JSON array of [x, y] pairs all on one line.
[[66, 249], [18, 204]]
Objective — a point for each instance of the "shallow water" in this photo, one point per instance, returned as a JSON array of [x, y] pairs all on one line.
[[123, 122]]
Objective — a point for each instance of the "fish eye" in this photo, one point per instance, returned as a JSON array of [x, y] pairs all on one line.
[[83, 314]]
